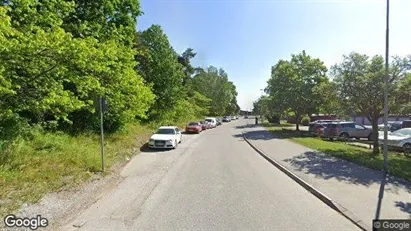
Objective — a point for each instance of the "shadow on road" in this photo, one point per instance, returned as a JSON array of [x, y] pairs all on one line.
[[263, 134], [327, 167], [145, 148], [189, 133], [405, 207], [244, 126]]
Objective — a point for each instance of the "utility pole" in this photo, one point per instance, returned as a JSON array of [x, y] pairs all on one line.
[[386, 85]]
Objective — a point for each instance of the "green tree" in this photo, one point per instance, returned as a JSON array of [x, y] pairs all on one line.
[[330, 101], [292, 84], [158, 64], [103, 20], [361, 83], [214, 84], [185, 60]]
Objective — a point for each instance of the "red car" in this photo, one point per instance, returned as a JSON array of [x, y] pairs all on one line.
[[194, 127]]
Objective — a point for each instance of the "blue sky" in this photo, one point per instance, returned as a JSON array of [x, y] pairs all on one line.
[[246, 38]]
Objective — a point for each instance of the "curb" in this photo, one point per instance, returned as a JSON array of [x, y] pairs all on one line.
[[340, 209]]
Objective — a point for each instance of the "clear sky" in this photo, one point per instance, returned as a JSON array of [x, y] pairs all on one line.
[[246, 38]]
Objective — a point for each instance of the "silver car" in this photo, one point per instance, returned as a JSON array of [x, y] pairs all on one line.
[[400, 139], [346, 130]]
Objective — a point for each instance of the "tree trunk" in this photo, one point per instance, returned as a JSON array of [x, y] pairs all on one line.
[[297, 122], [375, 135]]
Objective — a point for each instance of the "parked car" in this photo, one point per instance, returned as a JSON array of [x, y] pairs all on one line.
[[315, 126], [396, 125], [400, 139], [245, 117], [346, 130], [166, 137], [226, 119], [194, 127], [204, 125], [212, 121]]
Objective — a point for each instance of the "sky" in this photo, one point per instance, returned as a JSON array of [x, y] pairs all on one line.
[[247, 38]]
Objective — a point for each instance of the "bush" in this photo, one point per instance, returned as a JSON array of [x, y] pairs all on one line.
[[273, 119], [305, 121]]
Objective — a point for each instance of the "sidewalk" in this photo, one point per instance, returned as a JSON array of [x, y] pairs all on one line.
[[352, 186]]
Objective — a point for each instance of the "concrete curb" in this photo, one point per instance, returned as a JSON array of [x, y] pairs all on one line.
[[340, 209]]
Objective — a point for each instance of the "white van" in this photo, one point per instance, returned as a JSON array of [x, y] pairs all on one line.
[[212, 121]]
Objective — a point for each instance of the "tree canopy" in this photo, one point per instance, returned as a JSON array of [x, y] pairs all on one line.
[[57, 58], [292, 84]]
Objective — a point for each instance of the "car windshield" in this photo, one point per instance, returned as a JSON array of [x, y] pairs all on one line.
[[166, 131], [193, 124], [402, 132]]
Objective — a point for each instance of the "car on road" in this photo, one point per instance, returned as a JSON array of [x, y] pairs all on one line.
[[204, 125], [219, 121], [212, 121], [166, 137], [400, 139], [226, 119], [346, 130], [194, 127]]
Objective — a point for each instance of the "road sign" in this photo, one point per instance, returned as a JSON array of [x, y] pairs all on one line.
[[104, 104]]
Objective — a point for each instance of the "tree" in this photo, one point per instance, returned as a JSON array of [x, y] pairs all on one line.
[[67, 73], [103, 20], [292, 84], [158, 64], [213, 83], [361, 83], [330, 102], [185, 60]]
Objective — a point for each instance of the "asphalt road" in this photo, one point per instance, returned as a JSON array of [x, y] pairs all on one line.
[[213, 181]]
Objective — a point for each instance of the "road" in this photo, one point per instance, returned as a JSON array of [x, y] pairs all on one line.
[[213, 181]]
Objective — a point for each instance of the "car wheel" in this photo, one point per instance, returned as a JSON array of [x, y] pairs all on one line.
[[407, 149], [181, 138], [344, 135]]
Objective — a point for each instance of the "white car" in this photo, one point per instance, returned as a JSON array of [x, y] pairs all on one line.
[[212, 121], [166, 137], [399, 139]]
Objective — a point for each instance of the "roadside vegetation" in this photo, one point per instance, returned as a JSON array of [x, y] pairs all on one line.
[[303, 86], [57, 58]]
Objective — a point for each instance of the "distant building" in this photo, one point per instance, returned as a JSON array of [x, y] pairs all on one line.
[[364, 120]]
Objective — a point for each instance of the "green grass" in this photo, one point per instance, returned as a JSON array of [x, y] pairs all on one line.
[[399, 165], [55, 161]]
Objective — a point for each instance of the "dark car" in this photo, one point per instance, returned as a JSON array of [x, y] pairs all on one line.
[[315, 126], [399, 125], [226, 119]]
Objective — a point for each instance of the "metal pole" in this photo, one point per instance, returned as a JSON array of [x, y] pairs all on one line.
[[386, 83], [102, 133]]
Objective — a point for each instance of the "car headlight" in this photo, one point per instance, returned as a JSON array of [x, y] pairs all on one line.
[[151, 140], [170, 141]]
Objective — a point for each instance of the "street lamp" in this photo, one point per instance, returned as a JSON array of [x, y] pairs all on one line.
[[386, 82]]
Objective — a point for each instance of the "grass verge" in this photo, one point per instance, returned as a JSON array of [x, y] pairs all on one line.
[[399, 165], [56, 161]]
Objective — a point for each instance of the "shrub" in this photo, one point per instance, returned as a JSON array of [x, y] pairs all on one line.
[[305, 121]]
